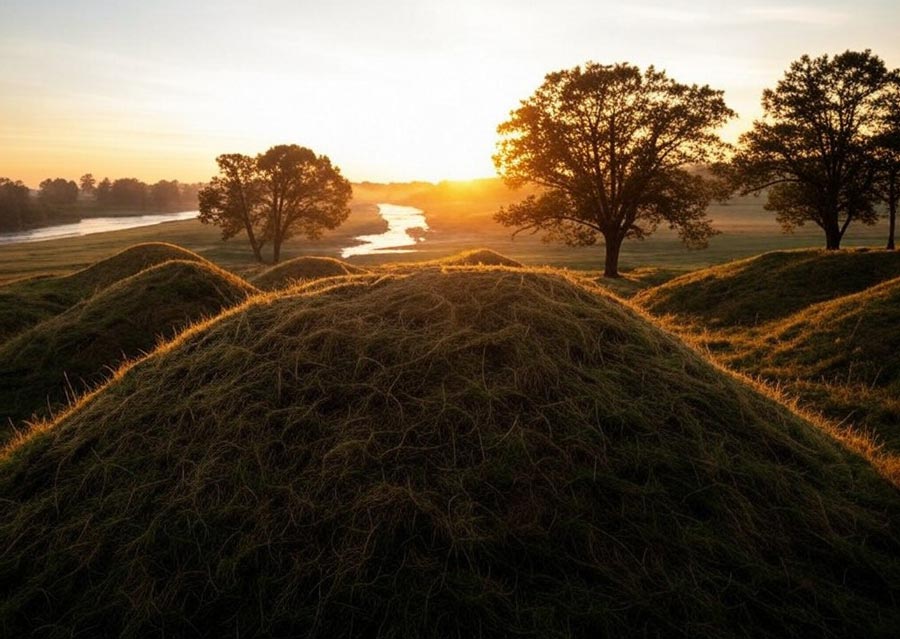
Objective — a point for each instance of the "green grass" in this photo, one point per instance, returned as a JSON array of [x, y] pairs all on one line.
[[451, 452], [839, 357], [61, 357], [300, 269], [460, 216], [769, 286], [27, 302]]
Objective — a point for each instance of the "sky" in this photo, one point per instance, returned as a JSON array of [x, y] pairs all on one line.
[[390, 91]]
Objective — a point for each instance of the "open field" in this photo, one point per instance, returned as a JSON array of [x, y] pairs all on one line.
[[442, 450], [460, 217], [467, 442]]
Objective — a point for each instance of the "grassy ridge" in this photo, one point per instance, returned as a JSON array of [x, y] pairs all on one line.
[[768, 286], [301, 269], [451, 452], [78, 348], [821, 325], [27, 302]]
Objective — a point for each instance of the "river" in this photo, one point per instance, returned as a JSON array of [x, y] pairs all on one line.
[[401, 220], [90, 225]]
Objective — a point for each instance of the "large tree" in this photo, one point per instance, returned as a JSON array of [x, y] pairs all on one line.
[[303, 194], [287, 190], [615, 152], [887, 150], [233, 200], [812, 151]]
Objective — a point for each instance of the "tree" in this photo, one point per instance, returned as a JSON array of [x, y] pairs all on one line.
[[276, 195], [813, 149], [165, 195], [233, 200], [887, 148], [104, 192], [128, 193], [15, 205], [303, 193], [58, 192], [612, 150], [88, 183]]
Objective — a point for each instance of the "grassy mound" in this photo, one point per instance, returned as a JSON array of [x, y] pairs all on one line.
[[769, 286], [27, 302], [78, 348], [841, 357], [301, 269], [491, 452], [476, 257]]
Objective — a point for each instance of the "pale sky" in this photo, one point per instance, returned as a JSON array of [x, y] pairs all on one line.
[[399, 90]]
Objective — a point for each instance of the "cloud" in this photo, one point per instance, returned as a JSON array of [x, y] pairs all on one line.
[[797, 14]]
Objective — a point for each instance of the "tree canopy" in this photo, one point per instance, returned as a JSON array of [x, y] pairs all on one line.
[[616, 152], [287, 190], [813, 149]]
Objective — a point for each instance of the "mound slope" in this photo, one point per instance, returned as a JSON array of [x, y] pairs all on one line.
[[476, 257], [302, 269], [841, 356], [25, 303], [78, 348], [481, 453], [769, 286]]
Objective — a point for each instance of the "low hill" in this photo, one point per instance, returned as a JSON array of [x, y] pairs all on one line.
[[301, 269], [26, 302], [477, 257], [842, 356], [768, 287], [491, 452], [78, 348]]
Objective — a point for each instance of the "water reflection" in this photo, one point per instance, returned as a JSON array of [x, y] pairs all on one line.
[[406, 224], [91, 225]]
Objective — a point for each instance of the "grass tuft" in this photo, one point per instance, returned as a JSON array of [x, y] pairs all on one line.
[[445, 452], [302, 269], [44, 367]]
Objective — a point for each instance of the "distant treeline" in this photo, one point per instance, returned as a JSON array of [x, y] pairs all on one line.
[[58, 200]]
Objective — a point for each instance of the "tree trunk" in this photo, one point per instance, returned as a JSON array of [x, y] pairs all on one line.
[[613, 244], [832, 237], [893, 196], [276, 250]]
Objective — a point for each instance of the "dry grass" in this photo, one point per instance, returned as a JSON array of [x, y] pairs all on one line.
[[302, 269], [768, 287], [25, 303], [449, 452], [59, 358]]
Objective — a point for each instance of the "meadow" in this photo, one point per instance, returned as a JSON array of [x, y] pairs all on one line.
[[492, 441], [460, 216]]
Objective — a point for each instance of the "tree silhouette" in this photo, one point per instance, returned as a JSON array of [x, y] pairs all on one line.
[[813, 148], [303, 193], [233, 200], [58, 192], [87, 183], [276, 195], [887, 149], [613, 150]]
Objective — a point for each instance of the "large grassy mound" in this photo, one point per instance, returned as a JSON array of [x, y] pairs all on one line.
[[485, 257], [27, 302], [78, 348], [769, 286], [443, 454], [302, 269], [842, 357]]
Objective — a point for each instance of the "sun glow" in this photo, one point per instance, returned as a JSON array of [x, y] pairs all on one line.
[[390, 91]]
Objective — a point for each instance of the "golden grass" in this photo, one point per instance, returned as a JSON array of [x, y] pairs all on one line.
[[449, 451]]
